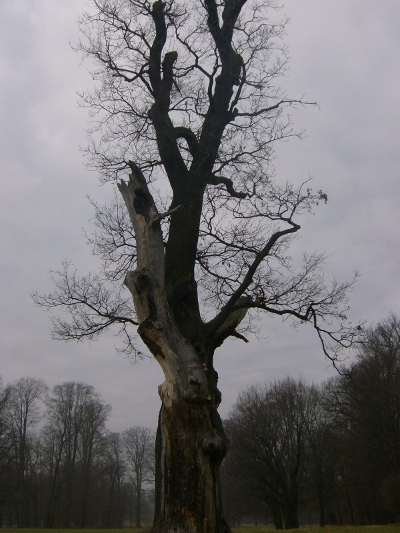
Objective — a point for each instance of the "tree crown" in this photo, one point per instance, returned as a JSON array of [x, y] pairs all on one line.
[[187, 101]]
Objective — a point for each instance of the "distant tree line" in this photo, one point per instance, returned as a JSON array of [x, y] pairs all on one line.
[[327, 453], [61, 467]]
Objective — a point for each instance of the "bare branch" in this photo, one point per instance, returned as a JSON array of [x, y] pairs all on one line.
[[189, 136], [216, 322], [161, 216], [189, 93], [92, 308], [219, 180]]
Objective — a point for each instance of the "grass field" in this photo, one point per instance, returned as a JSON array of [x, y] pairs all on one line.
[[393, 528]]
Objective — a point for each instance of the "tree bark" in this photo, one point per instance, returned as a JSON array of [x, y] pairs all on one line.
[[291, 514], [190, 442], [138, 518], [321, 500], [291, 517], [189, 451], [276, 516]]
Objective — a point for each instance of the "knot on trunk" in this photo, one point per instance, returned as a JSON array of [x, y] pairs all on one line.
[[196, 388], [214, 446], [142, 281], [138, 281]]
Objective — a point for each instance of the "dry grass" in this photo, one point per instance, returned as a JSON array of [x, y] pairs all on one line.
[[76, 530], [392, 528]]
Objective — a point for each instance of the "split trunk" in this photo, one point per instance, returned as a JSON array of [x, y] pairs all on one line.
[[191, 443]]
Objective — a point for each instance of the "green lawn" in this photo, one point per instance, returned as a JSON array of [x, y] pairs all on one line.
[[243, 529], [328, 529], [78, 530]]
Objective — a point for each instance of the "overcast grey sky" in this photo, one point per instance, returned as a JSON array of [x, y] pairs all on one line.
[[344, 54]]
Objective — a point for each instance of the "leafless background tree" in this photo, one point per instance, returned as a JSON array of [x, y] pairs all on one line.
[[269, 432], [365, 404], [74, 471], [139, 444], [347, 455], [74, 438], [300, 453], [24, 413]]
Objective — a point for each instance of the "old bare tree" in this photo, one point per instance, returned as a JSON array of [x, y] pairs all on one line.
[[187, 104]]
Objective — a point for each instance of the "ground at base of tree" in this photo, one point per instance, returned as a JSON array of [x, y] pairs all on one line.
[[76, 530], [390, 528]]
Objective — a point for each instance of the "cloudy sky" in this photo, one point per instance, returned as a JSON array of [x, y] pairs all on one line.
[[345, 54]]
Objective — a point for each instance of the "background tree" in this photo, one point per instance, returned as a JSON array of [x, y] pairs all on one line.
[[237, 497], [269, 436], [187, 102], [76, 422], [23, 413], [4, 396], [33, 479], [115, 470], [366, 405], [65, 412], [75, 471], [5, 447], [96, 413], [322, 449], [139, 452]]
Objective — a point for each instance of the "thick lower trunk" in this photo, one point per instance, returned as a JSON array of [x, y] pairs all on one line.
[[350, 508], [191, 443], [189, 450], [321, 499], [276, 516], [138, 520], [291, 516]]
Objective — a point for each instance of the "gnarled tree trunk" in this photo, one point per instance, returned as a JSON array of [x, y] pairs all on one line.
[[189, 449], [190, 441]]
